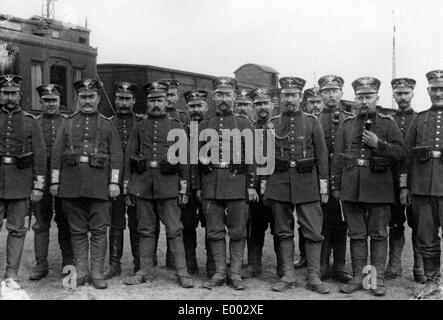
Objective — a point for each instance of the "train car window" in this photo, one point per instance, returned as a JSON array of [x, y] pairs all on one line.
[[36, 80], [58, 76], [78, 74]]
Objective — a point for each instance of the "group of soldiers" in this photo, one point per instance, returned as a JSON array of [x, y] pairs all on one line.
[[360, 174]]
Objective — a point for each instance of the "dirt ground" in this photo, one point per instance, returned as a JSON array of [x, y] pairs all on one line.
[[166, 287]]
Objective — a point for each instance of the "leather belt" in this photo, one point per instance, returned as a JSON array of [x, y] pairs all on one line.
[[362, 163], [435, 154], [221, 165], [8, 160], [153, 164], [83, 159]]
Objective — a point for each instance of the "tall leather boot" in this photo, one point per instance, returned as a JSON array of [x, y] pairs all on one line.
[[432, 275], [190, 244], [134, 238], [359, 258], [396, 244], [326, 249], [210, 264], [339, 252], [254, 259], [64, 242], [115, 253], [236, 250], [80, 248], [417, 270], [379, 252], [279, 267], [41, 243], [98, 254], [218, 249], [14, 250], [169, 262], [178, 253], [146, 271], [286, 252], [301, 260], [313, 254], [157, 236]]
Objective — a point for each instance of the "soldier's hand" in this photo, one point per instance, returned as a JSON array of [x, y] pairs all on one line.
[[129, 200], [36, 195], [370, 138], [54, 189], [113, 190], [183, 199], [324, 198], [405, 197], [336, 194], [252, 194], [198, 195]]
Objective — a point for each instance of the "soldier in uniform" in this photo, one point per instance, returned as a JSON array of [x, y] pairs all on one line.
[[226, 188], [123, 121], [192, 212], [403, 91], [22, 170], [86, 166], [313, 101], [155, 186], [365, 147], [50, 120], [421, 180], [243, 104], [299, 181], [334, 226], [260, 214], [176, 113]]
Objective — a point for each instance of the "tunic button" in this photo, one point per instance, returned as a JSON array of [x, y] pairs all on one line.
[[292, 119], [438, 132], [437, 139], [86, 145]]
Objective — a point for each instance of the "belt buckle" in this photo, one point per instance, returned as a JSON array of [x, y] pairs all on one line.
[[153, 164], [8, 160], [436, 154], [223, 165], [84, 159], [360, 162], [292, 164]]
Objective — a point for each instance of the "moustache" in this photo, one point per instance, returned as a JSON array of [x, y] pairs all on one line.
[[291, 104], [224, 104]]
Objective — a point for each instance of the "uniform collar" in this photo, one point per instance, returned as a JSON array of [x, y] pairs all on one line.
[[223, 114], [405, 112], [436, 108], [15, 110], [327, 109], [370, 115], [125, 115], [88, 114], [163, 116], [292, 113]]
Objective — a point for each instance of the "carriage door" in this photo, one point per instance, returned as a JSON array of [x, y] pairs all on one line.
[[58, 76]]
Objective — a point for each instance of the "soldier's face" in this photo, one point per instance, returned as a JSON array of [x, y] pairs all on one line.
[[124, 104], [404, 99], [263, 109], [291, 101], [50, 105], [243, 108], [224, 101], [197, 111], [314, 105], [436, 95], [331, 97], [172, 98], [157, 106], [367, 102], [10, 99], [88, 101]]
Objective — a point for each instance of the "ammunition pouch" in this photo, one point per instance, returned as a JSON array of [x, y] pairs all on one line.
[[281, 165], [167, 168], [98, 160], [379, 164], [347, 161], [422, 154], [305, 165], [25, 160], [70, 158], [138, 164]]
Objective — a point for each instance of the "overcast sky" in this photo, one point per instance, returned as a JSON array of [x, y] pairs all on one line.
[[346, 37]]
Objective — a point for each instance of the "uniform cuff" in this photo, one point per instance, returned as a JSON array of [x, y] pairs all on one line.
[[263, 184], [382, 146], [55, 176], [335, 182], [323, 186], [183, 187], [39, 184], [115, 176], [403, 180], [125, 187]]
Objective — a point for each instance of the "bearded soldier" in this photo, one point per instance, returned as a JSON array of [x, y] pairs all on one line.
[[243, 104], [50, 121], [22, 170], [86, 166], [365, 148], [300, 182]]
